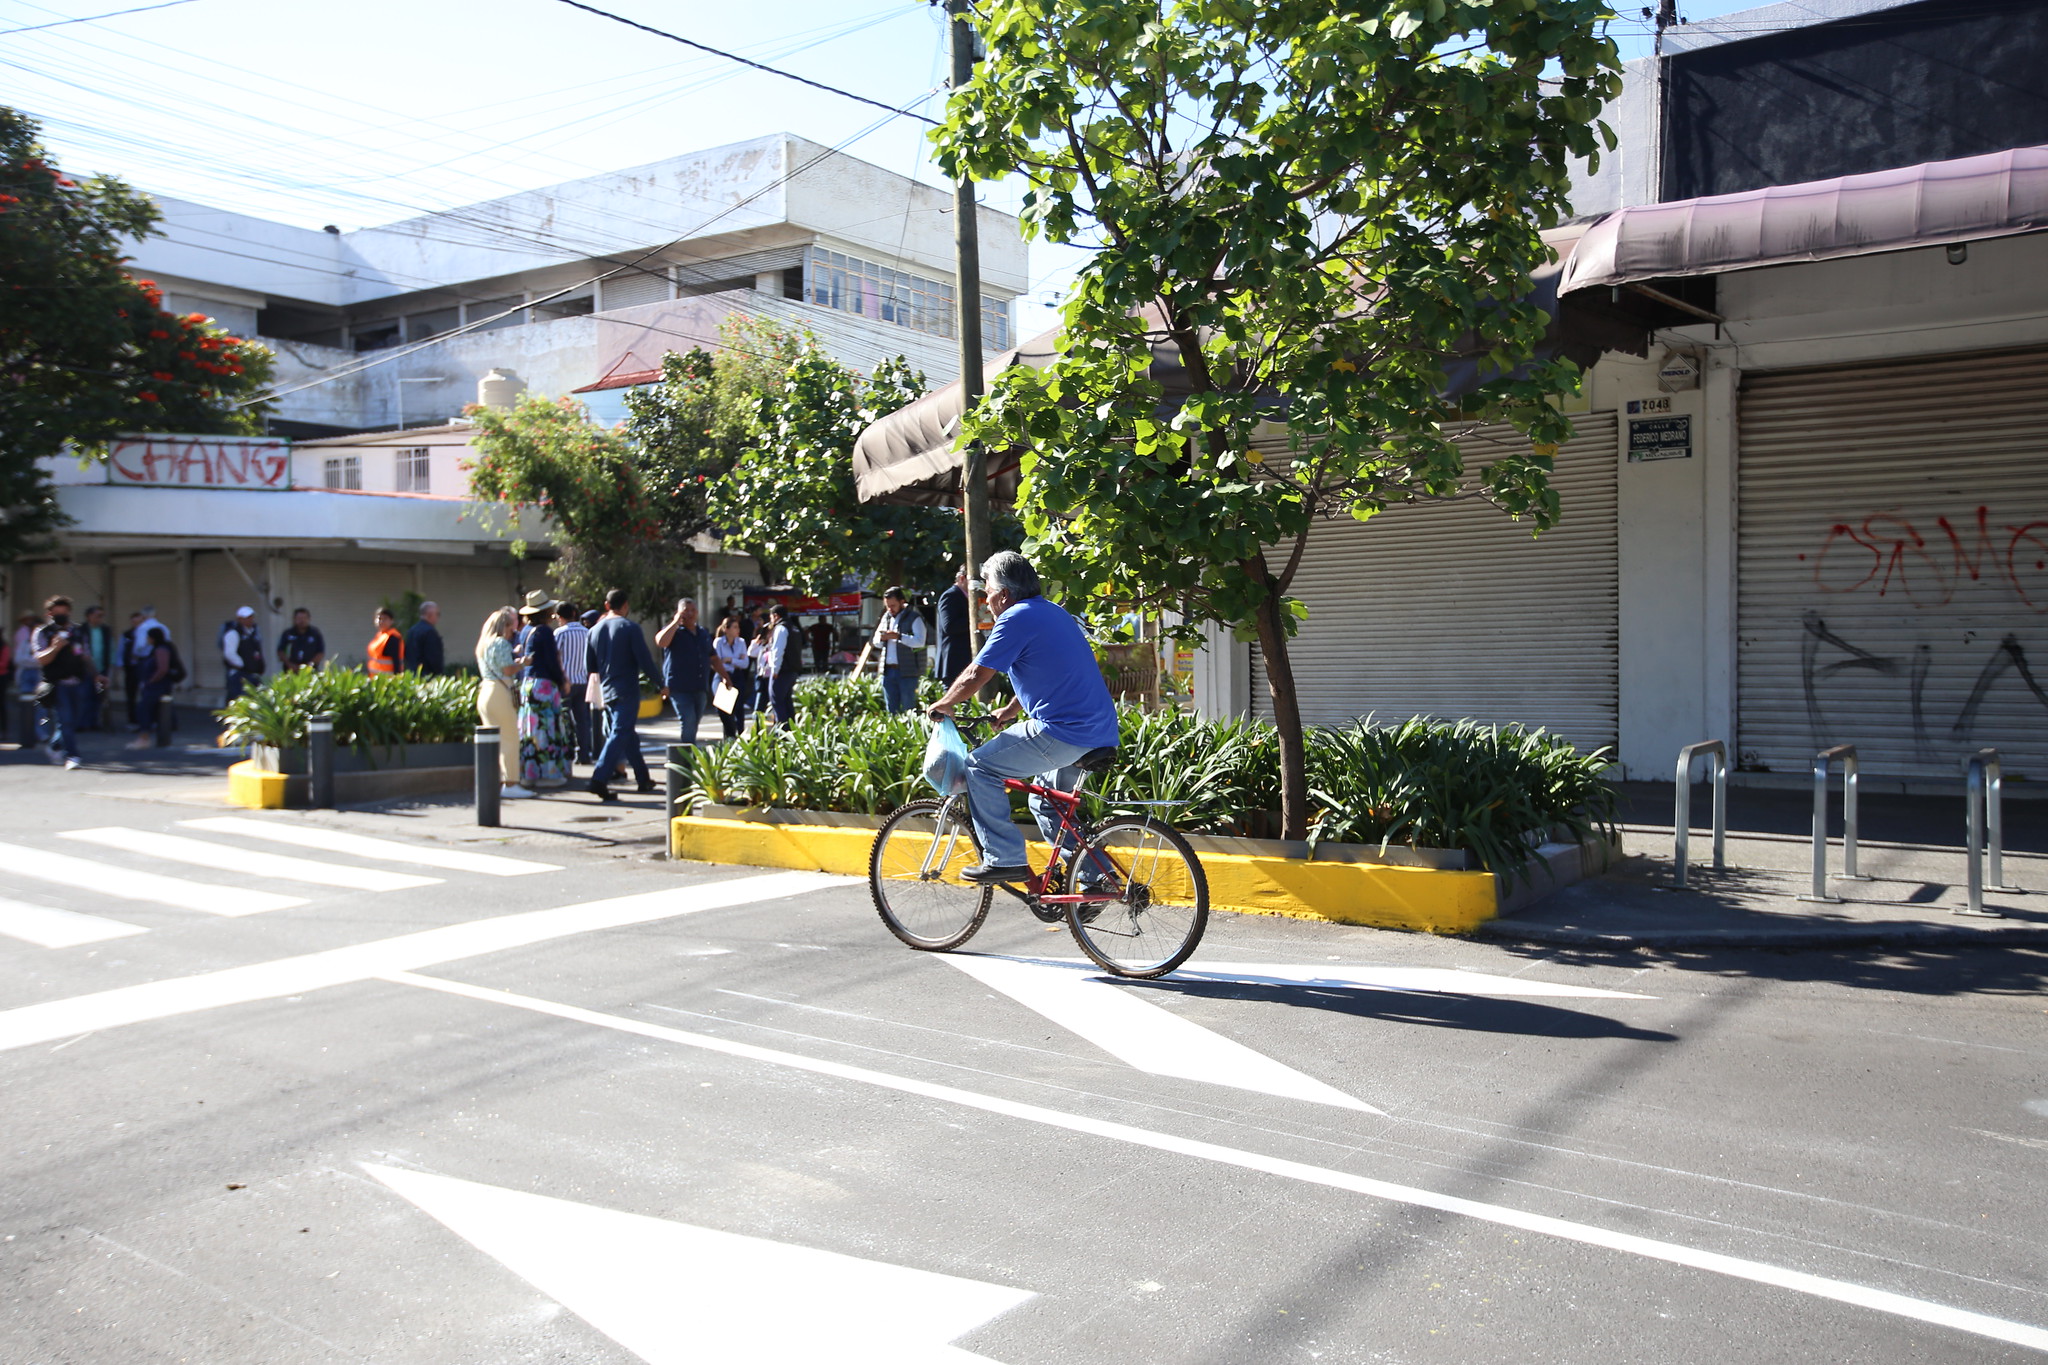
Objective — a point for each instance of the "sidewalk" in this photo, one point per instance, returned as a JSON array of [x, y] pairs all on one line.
[[1910, 849]]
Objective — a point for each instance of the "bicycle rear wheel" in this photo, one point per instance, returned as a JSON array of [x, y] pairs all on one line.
[[914, 875], [1162, 898]]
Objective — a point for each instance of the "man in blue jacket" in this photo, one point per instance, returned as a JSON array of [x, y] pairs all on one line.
[[1060, 693], [620, 658]]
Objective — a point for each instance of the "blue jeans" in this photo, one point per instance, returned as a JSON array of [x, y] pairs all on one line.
[[899, 690], [1023, 750], [689, 708], [69, 709], [622, 744]]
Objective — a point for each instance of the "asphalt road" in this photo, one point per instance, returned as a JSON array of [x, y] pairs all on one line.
[[608, 1109]]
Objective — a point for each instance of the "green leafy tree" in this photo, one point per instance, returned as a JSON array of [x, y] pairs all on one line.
[[789, 499], [548, 454], [87, 352], [692, 425], [1320, 204]]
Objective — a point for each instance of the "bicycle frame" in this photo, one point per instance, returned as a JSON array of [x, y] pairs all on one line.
[[1071, 827]]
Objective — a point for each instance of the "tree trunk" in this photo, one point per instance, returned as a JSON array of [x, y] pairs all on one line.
[[1286, 713]]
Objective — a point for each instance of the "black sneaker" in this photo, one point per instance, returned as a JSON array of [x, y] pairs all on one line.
[[601, 792], [990, 873]]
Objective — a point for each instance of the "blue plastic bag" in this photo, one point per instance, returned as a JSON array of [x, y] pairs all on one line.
[[945, 759]]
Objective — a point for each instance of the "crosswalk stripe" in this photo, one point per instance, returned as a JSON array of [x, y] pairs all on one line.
[[48, 927], [198, 852], [129, 885], [363, 846], [49, 1020]]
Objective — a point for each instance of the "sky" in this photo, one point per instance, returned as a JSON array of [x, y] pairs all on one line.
[[372, 111]]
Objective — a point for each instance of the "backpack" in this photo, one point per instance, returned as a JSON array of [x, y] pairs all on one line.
[[176, 674]]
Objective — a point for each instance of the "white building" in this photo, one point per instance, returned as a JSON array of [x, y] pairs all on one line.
[[586, 283], [384, 334]]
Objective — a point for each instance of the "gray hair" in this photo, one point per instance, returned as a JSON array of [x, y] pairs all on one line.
[[1012, 572]]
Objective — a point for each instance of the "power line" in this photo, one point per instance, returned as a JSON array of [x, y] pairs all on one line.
[[93, 18], [745, 61]]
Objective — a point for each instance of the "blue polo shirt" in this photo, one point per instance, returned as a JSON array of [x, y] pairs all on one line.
[[1050, 664], [686, 662]]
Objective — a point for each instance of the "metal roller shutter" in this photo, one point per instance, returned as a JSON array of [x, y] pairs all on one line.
[[1893, 579], [342, 597], [1452, 610], [216, 591], [467, 595]]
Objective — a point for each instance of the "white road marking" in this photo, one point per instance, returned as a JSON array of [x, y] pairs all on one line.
[[122, 883], [674, 1294], [363, 846], [1141, 1034], [53, 1019], [1437, 980], [1736, 1267], [221, 857], [51, 928]]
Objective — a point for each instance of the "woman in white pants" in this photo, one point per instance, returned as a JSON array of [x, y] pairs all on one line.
[[497, 703]]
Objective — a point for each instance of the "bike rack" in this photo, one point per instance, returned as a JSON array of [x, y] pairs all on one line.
[[1822, 761], [1681, 815], [1984, 796]]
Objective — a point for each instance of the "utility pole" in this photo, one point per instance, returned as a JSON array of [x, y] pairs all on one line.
[[967, 301]]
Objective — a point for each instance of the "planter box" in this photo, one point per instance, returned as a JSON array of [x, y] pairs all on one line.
[[273, 760], [1339, 890]]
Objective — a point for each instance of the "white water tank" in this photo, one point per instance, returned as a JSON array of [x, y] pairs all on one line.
[[499, 388]]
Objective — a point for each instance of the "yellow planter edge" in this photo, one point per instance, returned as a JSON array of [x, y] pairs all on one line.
[[255, 789], [1337, 893]]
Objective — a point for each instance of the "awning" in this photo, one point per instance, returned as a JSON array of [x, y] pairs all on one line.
[[1997, 195], [907, 456]]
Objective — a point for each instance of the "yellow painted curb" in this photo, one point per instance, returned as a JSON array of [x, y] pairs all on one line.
[[1339, 893], [250, 786]]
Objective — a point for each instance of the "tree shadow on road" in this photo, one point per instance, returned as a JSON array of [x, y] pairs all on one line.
[[1432, 1009]]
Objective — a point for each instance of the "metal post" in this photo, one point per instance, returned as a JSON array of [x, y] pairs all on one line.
[[1994, 822], [1982, 780], [320, 762], [677, 778], [166, 721], [487, 780], [967, 300], [1822, 761], [1681, 816]]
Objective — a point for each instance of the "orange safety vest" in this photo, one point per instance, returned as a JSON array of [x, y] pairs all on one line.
[[379, 660]]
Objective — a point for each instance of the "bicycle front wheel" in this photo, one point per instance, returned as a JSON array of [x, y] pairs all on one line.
[[1162, 898], [914, 875]]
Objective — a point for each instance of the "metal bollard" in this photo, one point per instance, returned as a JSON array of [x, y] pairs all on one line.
[[1984, 787], [1681, 815], [166, 721], [320, 762], [1821, 763], [487, 780], [676, 779]]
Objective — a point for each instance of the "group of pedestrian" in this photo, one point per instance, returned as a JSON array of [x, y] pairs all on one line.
[[562, 688], [64, 665]]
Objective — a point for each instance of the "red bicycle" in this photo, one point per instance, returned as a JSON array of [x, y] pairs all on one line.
[[1129, 888]]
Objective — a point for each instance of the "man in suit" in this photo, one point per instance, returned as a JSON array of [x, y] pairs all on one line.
[[620, 658], [953, 647]]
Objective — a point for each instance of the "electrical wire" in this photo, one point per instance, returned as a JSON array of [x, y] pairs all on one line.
[[735, 57], [91, 18]]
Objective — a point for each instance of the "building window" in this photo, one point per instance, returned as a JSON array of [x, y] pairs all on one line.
[[851, 285], [483, 315], [374, 336], [632, 288], [413, 470], [420, 326], [345, 472], [579, 306]]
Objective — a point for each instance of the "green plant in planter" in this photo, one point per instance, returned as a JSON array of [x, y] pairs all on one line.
[[1455, 784], [380, 712]]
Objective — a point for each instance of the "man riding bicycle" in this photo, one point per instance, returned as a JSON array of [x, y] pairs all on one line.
[[1066, 707]]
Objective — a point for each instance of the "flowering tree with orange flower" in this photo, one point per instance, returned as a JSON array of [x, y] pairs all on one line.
[[88, 352]]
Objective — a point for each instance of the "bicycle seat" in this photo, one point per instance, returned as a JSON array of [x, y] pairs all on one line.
[[1096, 760]]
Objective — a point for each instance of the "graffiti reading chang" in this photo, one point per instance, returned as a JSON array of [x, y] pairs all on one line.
[[200, 462], [1888, 555]]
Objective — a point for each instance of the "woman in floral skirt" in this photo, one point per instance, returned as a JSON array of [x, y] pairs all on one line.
[[547, 738]]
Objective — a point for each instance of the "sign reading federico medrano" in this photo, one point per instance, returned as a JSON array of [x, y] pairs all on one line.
[[257, 462]]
